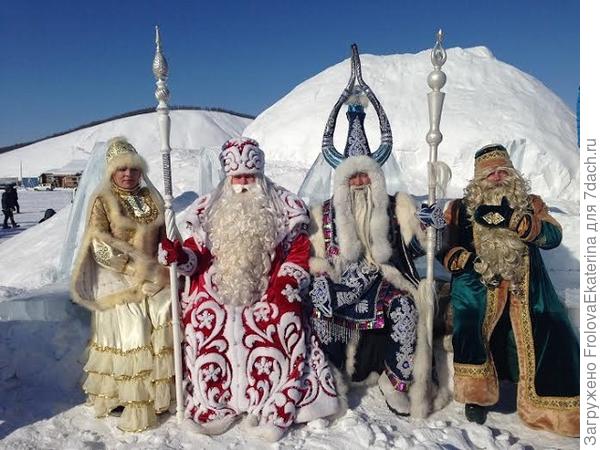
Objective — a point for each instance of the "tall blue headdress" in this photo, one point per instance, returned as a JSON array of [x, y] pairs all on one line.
[[356, 144], [357, 95]]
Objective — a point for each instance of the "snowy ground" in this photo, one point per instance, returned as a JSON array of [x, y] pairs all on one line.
[[41, 407], [33, 205], [42, 337]]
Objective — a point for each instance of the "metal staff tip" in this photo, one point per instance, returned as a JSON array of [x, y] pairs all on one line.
[[438, 54], [160, 68]]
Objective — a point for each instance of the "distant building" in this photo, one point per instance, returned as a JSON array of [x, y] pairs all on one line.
[[65, 177]]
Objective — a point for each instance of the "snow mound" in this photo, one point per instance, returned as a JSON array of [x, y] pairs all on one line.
[[486, 101], [190, 129]]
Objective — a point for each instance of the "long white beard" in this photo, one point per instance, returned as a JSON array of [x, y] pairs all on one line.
[[361, 202], [501, 251], [242, 234]]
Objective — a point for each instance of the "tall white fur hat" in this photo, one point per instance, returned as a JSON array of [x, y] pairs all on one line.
[[242, 156]]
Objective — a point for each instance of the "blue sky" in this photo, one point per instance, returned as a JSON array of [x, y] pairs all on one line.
[[66, 63]]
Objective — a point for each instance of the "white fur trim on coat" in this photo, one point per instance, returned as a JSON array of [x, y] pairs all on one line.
[[407, 219]]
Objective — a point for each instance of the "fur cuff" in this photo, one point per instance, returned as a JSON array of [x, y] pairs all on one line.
[[409, 224], [319, 266]]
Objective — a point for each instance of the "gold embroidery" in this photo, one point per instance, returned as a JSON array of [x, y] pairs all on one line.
[[102, 252], [138, 204], [119, 147], [524, 336], [143, 374], [137, 403], [490, 313], [518, 224], [493, 218], [462, 259], [165, 380], [494, 154], [456, 258], [116, 351], [484, 370]]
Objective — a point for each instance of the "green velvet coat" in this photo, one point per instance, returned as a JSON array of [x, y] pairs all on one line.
[[524, 336]]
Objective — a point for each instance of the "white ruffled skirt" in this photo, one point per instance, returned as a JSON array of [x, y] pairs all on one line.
[[130, 362]]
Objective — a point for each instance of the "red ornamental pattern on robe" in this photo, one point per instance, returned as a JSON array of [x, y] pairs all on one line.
[[257, 358]]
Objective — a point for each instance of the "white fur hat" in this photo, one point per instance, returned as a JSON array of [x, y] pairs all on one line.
[[121, 153], [242, 156]]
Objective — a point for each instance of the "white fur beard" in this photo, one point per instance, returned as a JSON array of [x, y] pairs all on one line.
[[242, 235], [362, 209]]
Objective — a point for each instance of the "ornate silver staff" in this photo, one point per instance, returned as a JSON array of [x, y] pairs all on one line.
[[435, 100], [161, 71]]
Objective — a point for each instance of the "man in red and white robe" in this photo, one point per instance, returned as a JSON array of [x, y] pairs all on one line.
[[247, 348]]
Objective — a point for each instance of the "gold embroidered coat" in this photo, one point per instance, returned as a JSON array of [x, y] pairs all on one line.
[[117, 277]]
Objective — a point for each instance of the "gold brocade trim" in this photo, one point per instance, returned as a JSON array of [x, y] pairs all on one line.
[[491, 314], [116, 351], [164, 380], [524, 337], [456, 258], [143, 374], [463, 258], [134, 403], [108, 397], [119, 147], [488, 320], [138, 205], [516, 223], [484, 370], [494, 154]]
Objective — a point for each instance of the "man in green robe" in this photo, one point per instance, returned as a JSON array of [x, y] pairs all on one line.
[[508, 322]]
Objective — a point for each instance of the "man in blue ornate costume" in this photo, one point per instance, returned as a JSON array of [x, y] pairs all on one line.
[[367, 309], [508, 321]]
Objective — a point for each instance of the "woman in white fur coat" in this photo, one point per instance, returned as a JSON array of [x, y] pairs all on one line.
[[117, 277]]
